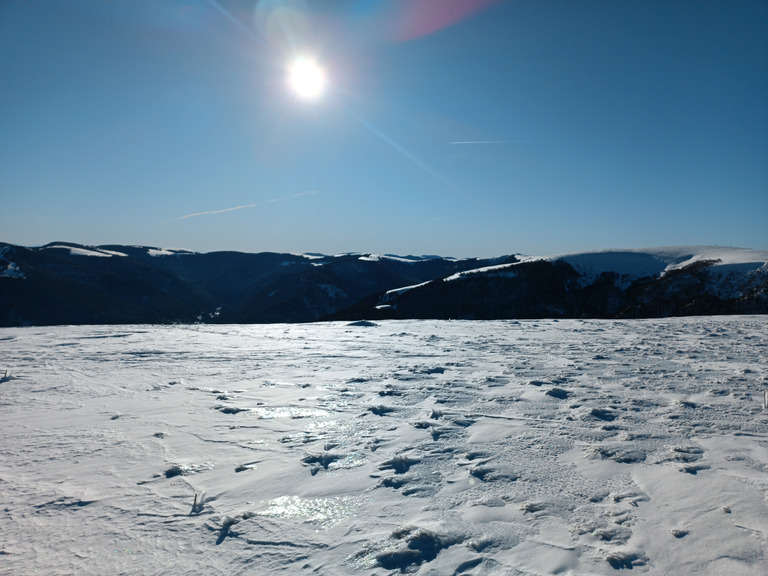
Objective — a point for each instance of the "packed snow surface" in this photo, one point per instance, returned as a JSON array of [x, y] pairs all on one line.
[[424, 447]]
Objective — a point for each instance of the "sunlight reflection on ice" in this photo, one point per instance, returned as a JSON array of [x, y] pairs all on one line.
[[326, 512], [352, 460], [295, 412]]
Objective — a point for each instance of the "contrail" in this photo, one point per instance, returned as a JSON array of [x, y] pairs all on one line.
[[379, 134], [217, 211], [490, 142], [224, 12], [222, 211]]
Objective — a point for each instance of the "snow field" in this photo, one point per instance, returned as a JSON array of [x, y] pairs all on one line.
[[426, 447]]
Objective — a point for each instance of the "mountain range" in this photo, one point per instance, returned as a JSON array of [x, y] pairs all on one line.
[[68, 283]]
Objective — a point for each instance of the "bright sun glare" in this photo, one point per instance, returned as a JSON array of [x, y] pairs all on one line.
[[306, 78]]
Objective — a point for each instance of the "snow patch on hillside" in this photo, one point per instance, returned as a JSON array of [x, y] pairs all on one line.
[[160, 252], [90, 251], [398, 291], [498, 271], [403, 259]]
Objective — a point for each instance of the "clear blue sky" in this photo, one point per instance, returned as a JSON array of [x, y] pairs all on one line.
[[452, 127]]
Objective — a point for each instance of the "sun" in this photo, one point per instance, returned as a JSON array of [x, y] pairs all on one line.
[[306, 78]]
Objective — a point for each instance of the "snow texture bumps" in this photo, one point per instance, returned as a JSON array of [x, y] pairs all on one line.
[[542, 447]]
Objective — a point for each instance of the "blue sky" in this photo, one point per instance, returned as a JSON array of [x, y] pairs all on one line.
[[452, 127]]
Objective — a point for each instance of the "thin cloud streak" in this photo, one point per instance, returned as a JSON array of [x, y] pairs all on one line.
[[217, 211], [384, 138], [228, 15], [298, 195], [490, 142]]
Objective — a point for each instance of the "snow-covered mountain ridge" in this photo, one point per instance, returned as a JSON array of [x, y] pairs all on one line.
[[67, 283], [632, 265], [653, 282]]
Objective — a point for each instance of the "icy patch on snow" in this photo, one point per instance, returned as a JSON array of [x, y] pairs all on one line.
[[326, 512], [292, 412]]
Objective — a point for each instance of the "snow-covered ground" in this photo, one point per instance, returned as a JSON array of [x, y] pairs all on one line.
[[515, 448]]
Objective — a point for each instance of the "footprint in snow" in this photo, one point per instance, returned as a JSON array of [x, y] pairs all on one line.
[[246, 466], [558, 393], [229, 409], [414, 547], [381, 410], [492, 473], [694, 468], [626, 560], [620, 454], [316, 462], [399, 464]]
